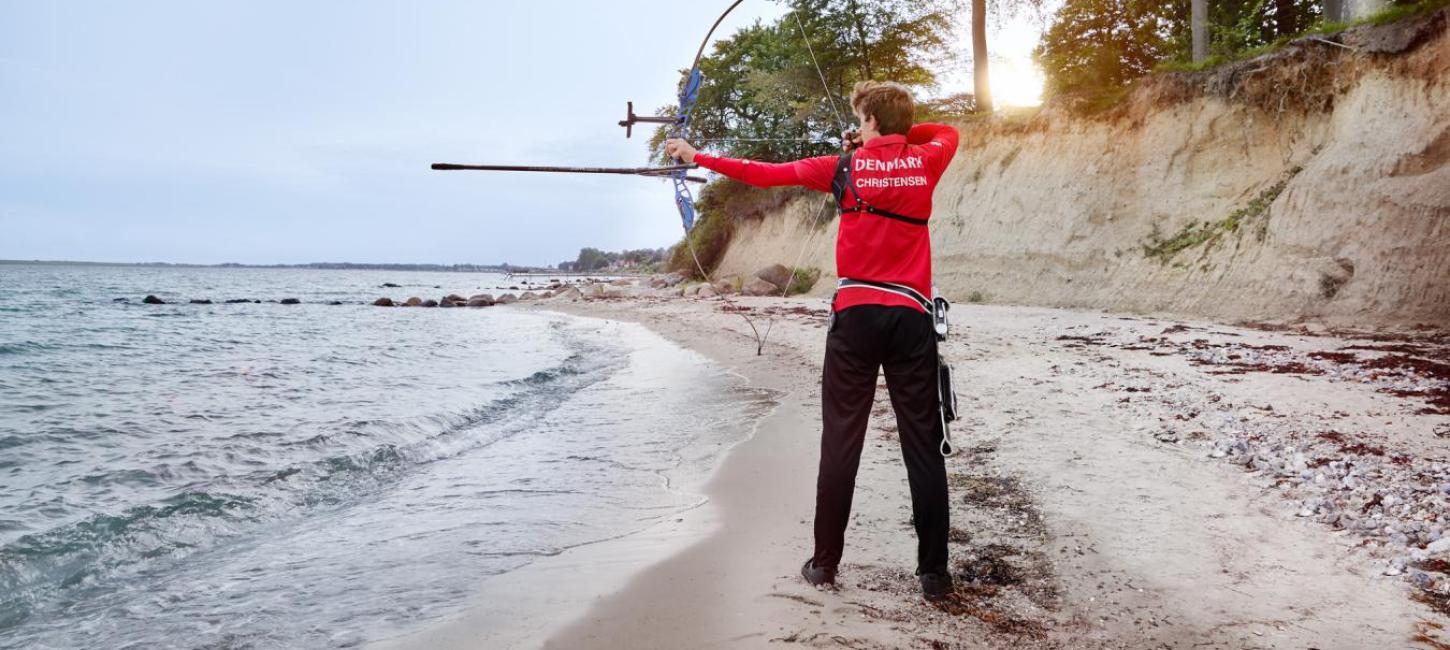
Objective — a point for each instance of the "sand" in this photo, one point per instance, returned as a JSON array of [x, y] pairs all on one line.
[[1094, 504]]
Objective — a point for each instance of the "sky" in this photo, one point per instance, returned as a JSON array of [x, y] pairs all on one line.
[[271, 132]]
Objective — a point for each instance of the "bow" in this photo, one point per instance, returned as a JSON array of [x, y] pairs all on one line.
[[680, 124]]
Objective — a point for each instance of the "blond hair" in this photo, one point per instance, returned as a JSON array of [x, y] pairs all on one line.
[[887, 101]]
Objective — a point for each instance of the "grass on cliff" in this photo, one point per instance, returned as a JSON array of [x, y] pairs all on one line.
[[803, 280], [1208, 233]]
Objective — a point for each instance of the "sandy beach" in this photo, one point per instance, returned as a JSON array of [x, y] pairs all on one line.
[[1124, 481]]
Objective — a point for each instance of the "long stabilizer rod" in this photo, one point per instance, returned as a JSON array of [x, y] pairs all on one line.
[[634, 171]]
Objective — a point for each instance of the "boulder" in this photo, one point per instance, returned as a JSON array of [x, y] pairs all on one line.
[[429, 303], [672, 279], [759, 287], [334, 302], [291, 301], [528, 295], [480, 300], [446, 303], [706, 291], [622, 282], [413, 301], [198, 301], [153, 300], [776, 274], [724, 287], [453, 297], [383, 302], [545, 294], [237, 301], [507, 299], [389, 285], [120, 300], [568, 293]]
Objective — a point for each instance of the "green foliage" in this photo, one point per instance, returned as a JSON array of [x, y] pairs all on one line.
[[1096, 46], [762, 97], [1103, 44], [1208, 234], [803, 279]]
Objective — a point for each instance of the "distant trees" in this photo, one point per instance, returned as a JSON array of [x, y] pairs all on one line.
[[593, 259], [1098, 45]]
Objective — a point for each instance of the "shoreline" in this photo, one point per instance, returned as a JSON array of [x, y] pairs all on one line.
[[1101, 499]]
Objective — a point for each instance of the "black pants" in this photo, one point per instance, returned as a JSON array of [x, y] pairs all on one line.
[[865, 339]]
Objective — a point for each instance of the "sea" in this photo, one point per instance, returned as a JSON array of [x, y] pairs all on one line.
[[316, 475]]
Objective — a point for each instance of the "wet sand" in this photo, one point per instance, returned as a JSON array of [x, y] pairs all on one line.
[[1124, 482]]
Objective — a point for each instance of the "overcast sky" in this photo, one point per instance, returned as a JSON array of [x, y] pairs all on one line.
[[287, 132]]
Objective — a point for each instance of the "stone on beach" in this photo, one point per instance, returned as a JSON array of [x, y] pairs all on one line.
[[480, 300], [723, 286], [759, 287], [506, 299], [776, 274]]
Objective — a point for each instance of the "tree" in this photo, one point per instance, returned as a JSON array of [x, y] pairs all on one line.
[[762, 97], [981, 81], [1200, 30], [1102, 44]]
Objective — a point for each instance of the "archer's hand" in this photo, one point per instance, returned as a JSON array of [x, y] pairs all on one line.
[[850, 140], [680, 150]]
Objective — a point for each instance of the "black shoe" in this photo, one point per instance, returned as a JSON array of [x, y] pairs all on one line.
[[818, 575], [936, 585]]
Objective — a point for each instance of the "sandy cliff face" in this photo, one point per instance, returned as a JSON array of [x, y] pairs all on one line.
[[1310, 184]]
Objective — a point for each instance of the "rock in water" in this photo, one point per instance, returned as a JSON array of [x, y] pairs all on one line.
[[153, 300], [480, 300], [430, 303], [389, 285], [776, 274], [413, 301], [760, 287], [291, 301], [528, 295], [199, 301], [507, 299], [383, 302], [238, 301]]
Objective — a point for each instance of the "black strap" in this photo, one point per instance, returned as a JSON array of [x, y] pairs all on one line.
[[842, 182]]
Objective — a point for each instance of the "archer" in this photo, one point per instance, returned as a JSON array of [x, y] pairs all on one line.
[[881, 313]]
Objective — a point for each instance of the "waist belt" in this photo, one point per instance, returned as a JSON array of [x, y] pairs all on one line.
[[889, 287]]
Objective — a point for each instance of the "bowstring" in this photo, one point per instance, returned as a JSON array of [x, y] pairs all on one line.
[[683, 196], [815, 221]]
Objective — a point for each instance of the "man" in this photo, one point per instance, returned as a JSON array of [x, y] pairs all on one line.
[[884, 187]]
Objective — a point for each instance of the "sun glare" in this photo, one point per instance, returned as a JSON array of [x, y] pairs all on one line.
[[1016, 82]]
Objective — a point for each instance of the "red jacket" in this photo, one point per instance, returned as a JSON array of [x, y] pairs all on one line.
[[895, 173]]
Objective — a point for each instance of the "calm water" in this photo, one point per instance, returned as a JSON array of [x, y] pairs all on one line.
[[265, 475]]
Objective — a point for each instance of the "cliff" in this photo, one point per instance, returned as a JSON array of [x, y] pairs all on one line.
[[1307, 184]]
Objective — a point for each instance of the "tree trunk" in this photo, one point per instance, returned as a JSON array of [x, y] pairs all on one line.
[[1334, 11], [980, 78], [1286, 18], [1199, 20]]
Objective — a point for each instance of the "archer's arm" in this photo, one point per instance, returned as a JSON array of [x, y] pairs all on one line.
[[943, 138], [812, 173]]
